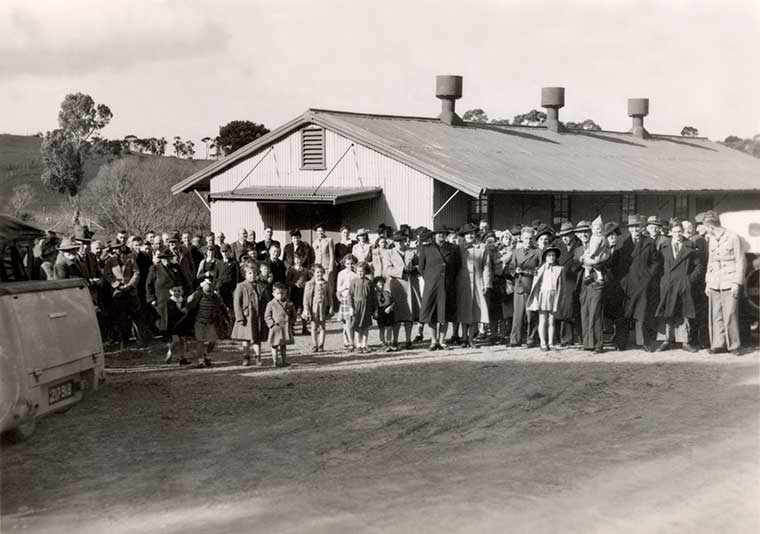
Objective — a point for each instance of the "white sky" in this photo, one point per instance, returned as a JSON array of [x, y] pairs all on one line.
[[184, 68]]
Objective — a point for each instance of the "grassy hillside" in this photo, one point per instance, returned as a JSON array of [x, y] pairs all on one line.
[[20, 163]]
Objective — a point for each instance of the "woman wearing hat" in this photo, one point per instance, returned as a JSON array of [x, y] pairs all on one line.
[[300, 247], [363, 248], [438, 264], [403, 283], [544, 295], [474, 279], [161, 278], [567, 307]]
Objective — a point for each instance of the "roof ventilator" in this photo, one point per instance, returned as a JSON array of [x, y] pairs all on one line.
[[638, 108], [553, 98], [449, 89]]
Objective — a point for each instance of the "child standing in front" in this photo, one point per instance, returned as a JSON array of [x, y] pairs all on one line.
[[316, 306], [296, 277], [178, 323], [384, 316], [544, 295], [209, 312], [247, 313], [345, 312], [362, 302], [597, 251], [280, 316]]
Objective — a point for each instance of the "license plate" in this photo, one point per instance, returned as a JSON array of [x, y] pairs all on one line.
[[60, 392]]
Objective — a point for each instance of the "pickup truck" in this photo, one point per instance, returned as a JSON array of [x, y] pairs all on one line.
[[51, 353]]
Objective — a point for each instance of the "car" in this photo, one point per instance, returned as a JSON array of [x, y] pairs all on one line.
[[51, 352], [746, 224]]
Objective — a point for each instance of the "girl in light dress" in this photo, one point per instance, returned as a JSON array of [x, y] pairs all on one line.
[[317, 303], [345, 311], [544, 295]]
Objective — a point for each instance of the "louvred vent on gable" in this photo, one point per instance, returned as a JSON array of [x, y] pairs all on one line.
[[313, 148]]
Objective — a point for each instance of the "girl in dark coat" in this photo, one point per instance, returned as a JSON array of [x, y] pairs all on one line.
[[161, 278], [362, 302], [681, 269]]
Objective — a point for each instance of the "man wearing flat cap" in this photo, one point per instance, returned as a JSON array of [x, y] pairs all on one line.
[[724, 279], [639, 267], [439, 264]]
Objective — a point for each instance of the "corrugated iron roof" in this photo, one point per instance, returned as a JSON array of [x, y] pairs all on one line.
[[480, 158], [330, 195]]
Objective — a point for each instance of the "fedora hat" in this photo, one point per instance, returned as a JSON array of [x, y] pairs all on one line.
[[652, 219], [544, 229], [164, 253], [398, 235], [440, 230], [68, 243], [174, 237], [611, 228], [566, 228], [468, 228], [635, 220], [711, 217], [547, 250], [362, 231], [295, 233], [82, 233], [582, 226]]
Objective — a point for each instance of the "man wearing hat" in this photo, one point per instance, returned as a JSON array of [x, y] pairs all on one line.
[[66, 264], [567, 302], [226, 275], [121, 277], [162, 277], [724, 279], [525, 260], [300, 247], [184, 260], [639, 266], [88, 262], [439, 264]]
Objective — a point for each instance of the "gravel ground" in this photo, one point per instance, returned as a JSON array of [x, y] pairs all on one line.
[[477, 440]]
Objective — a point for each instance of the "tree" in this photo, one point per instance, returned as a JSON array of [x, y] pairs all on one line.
[[475, 115], [588, 124], [206, 140], [750, 146], [237, 134], [135, 193], [80, 117], [63, 163], [532, 118], [689, 131], [23, 195]]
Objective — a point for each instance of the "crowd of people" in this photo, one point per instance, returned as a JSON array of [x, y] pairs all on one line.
[[665, 282]]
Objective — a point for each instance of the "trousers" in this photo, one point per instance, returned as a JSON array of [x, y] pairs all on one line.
[[724, 319]]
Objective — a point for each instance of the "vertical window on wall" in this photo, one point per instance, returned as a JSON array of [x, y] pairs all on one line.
[[681, 207], [313, 149], [627, 205], [479, 209], [560, 208]]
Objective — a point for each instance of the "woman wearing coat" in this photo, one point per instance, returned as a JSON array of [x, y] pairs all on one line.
[[401, 280], [249, 317], [439, 265], [474, 278], [568, 313], [681, 270], [161, 278]]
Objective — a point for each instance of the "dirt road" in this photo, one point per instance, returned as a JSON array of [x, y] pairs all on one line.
[[482, 440]]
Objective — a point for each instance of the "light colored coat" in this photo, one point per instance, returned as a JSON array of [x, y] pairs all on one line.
[[474, 277], [324, 253], [725, 261]]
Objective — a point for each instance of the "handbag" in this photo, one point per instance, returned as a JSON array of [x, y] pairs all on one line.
[[509, 287]]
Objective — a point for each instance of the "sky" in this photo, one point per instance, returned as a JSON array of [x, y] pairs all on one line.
[[186, 67]]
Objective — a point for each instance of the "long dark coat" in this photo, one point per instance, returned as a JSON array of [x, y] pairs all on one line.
[[567, 301], [639, 266], [679, 274], [160, 281], [439, 267], [614, 297], [226, 277]]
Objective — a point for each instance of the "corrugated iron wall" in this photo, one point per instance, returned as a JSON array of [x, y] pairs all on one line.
[[455, 213], [407, 194]]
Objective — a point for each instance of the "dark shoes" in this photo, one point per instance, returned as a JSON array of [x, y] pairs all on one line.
[[184, 361], [417, 338], [433, 346], [689, 348], [719, 350]]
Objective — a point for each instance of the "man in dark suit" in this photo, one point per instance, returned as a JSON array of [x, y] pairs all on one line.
[[183, 259], [681, 270], [226, 275], [699, 332], [439, 263], [241, 247], [263, 246], [639, 263], [525, 260]]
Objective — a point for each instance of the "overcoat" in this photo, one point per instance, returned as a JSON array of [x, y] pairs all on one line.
[[317, 306], [280, 318], [614, 297], [160, 281], [186, 268], [639, 265], [567, 301], [226, 276], [324, 253], [679, 274], [303, 249], [403, 283], [474, 277], [262, 248], [439, 267], [523, 266], [248, 313]]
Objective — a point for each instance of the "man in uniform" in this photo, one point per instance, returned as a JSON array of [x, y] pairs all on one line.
[[724, 278]]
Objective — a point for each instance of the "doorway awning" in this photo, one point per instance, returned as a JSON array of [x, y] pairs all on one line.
[[303, 195]]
